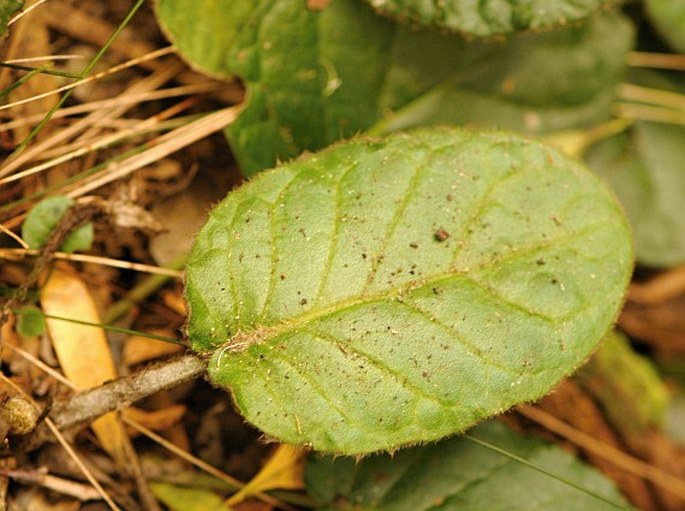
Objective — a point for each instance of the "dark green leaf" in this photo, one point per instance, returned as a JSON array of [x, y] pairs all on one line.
[[42, 219], [669, 18], [489, 18], [381, 293], [459, 475], [645, 168], [315, 76]]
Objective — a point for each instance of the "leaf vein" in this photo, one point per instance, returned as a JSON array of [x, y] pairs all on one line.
[[380, 366]]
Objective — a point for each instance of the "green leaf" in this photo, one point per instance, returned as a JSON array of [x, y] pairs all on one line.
[[8, 8], [30, 322], [457, 474], [302, 68], [669, 18], [44, 217], [386, 292], [644, 166], [180, 498], [489, 18], [205, 31]]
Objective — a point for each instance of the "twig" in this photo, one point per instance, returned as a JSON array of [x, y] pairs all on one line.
[[68, 448], [83, 407]]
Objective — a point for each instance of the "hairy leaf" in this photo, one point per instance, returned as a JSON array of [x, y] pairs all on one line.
[[489, 18], [669, 18], [457, 474], [315, 76], [386, 292]]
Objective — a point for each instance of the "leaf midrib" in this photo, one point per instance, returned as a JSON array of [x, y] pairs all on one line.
[[284, 325]]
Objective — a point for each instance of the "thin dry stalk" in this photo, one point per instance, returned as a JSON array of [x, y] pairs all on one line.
[[165, 145], [13, 236], [23, 13], [649, 113], [657, 60], [151, 82], [649, 95], [123, 99], [115, 69], [19, 253], [85, 146]]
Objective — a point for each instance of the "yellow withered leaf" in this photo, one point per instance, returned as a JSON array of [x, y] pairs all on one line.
[[82, 350], [282, 471]]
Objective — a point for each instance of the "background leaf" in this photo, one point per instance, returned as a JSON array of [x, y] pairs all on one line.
[[7, 9], [488, 18], [44, 217], [30, 322], [669, 18], [305, 89], [381, 293], [180, 498], [644, 166], [457, 474]]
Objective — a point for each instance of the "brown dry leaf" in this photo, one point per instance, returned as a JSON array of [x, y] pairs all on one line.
[[174, 301], [82, 351], [157, 420], [283, 471], [139, 349], [186, 212], [662, 326]]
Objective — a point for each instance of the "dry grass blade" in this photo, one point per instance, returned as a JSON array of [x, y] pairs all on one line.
[[18, 254], [162, 146], [132, 99], [649, 95], [23, 13], [43, 58], [116, 69], [649, 113], [657, 60], [14, 236], [87, 146], [79, 491], [151, 82]]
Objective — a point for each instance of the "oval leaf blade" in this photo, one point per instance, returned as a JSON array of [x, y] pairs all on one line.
[[381, 293]]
